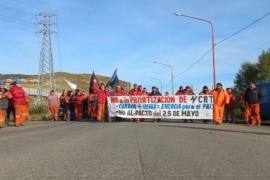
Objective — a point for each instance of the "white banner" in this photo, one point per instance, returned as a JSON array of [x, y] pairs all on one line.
[[165, 107]]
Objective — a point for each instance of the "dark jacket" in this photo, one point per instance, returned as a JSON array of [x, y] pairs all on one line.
[[155, 94], [252, 96]]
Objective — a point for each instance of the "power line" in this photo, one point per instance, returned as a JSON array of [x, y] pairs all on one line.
[[242, 29], [18, 21], [16, 10], [222, 42]]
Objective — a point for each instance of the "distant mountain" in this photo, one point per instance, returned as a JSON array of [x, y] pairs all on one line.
[[81, 80]]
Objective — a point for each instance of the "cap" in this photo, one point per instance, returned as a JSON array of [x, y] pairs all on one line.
[[2, 82], [135, 84], [17, 81], [154, 87], [187, 87], [205, 87], [139, 86], [180, 87], [219, 84]]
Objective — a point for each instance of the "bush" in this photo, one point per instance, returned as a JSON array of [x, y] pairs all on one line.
[[39, 109]]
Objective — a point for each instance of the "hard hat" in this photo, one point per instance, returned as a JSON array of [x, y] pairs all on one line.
[[17, 81]]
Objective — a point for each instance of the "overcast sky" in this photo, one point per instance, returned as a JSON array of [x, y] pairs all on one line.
[[103, 35]]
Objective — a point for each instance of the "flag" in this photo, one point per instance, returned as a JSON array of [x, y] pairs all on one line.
[[70, 84], [114, 81], [91, 89]]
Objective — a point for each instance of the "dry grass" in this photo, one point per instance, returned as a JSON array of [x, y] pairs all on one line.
[[81, 80]]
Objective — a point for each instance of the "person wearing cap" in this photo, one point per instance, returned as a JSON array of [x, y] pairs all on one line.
[[229, 108], [101, 99], [135, 92], [19, 101], [180, 91], [205, 92], [53, 102], [11, 108], [220, 98], [78, 100], [252, 97], [4, 96]]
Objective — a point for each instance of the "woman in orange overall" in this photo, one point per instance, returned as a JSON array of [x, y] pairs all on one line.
[[78, 99]]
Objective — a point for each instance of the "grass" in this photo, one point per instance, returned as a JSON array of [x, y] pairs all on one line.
[[39, 112]]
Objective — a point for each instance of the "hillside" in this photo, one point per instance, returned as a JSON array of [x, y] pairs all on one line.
[[81, 80]]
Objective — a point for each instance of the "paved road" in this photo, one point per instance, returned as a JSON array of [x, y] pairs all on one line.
[[84, 150]]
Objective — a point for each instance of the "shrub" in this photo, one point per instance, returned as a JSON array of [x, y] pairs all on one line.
[[39, 109]]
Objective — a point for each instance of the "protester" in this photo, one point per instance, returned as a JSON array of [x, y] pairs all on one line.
[[205, 92], [243, 104], [11, 108], [155, 92], [220, 98], [166, 93], [252, 97], [118, 92], [78, 100], [180, 91], [101, 99], [53, 103], [229, 108], [19, 101], [145, 92], [69, 105], [135, 92], [188, 91], [85, 105], [63, 104], [4, 96], [92, 105]]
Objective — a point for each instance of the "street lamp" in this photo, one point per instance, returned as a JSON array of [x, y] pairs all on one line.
[[213, 42], [171, 72], [160, 83]]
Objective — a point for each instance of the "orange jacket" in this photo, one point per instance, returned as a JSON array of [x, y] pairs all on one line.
[[134, 92], [78, 100], [203, 93], [63, 99], [220, 97]]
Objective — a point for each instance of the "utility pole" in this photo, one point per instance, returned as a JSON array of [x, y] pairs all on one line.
[[46, 56]]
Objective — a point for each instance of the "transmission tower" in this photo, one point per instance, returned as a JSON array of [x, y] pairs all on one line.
[[46, 56]]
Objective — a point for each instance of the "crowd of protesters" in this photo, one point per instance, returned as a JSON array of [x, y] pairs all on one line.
[[78, 106]]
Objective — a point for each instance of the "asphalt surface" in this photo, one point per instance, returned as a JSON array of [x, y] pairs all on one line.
[[85, 150]]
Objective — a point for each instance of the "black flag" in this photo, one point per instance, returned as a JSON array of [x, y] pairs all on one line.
[[114, 81], [91, 89]]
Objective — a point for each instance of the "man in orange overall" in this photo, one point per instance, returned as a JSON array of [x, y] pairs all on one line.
[[4, 96], [135, 92], [220, 98], [101, 99], [53, 102], [19, 102], [252, 97]]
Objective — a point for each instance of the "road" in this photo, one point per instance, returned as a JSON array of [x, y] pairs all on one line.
[[126, 150]]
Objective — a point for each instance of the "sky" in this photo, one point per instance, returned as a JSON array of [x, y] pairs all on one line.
[[130, 35]]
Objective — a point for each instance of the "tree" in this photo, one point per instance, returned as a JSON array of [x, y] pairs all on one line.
[[248, 72], [264, 66]]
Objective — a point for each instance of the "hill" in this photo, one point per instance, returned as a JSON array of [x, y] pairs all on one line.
[[81, 80]]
